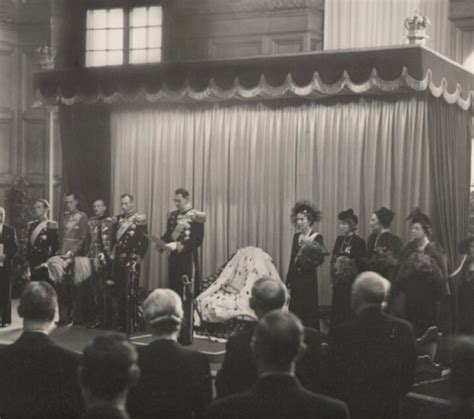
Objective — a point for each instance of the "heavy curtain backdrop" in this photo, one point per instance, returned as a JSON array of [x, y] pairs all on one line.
[[85, 140], [246, 165]]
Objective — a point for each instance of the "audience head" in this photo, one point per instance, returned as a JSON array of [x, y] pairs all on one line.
[[2, 215], [268, 294], [41, 208], [109, 368], [126, 203], [38, 304], [278, 341], [181, 198], [304, 214], [369, 289], [347, 221], [380, 219], [462, 371], [71, 201], [99, 207], [163, 312]]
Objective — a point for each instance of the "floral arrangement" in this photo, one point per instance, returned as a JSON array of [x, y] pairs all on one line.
[[344, 271], [417, 22], [309, 257], [420, 271]]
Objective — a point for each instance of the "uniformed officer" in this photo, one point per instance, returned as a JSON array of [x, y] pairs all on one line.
[[99, 252], [73, 235], [43, 241], [131, 243], [184, 235], [8, 249]]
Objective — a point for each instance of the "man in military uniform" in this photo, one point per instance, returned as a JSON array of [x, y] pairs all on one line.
[[131, 243], [99, 252], [73, 235], [184, 235], [8, 249], [43, 241]]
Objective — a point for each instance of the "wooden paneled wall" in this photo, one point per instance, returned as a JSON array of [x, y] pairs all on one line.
[[215, 29], [24, 124]]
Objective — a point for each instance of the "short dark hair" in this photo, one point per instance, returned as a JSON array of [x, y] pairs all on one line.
[[99, 199], [73, 194], [277, 338], [109, 366], [269, 294], [38, 302], [127, 195], [183, 192]]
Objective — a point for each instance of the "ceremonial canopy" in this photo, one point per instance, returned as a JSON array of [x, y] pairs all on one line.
[[347, 129]]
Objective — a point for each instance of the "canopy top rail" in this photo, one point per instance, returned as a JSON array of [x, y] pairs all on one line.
[[375, 71]]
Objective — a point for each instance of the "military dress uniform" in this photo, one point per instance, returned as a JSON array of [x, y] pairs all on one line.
[[182, 228], [9, 246], [130, 235], [73, 235], [100, 252], [43, 242]]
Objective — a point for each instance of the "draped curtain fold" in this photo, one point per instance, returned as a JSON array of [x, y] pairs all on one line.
[[246, 165]]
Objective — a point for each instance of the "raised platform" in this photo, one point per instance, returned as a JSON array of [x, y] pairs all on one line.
[[75, 338]]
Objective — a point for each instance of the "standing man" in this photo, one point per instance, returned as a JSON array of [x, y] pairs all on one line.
[[130, 236], [43, 241], [8, 248], [184, 235], [73, 234], [99, 252]]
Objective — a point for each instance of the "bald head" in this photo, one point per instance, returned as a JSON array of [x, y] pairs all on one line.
[[277, 340], [369, 288], [163, 312], [268, 294]]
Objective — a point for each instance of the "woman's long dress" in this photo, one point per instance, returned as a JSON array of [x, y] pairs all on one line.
[[304, 301], [426, 291], [354, 249], [466, 300]]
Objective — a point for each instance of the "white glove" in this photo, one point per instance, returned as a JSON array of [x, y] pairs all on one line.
[[171, 246]]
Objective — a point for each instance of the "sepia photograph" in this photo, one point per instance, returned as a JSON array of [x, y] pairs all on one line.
[[236, 209]]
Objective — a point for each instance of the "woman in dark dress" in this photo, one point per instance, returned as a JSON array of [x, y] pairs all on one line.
[[302, 276], [422, 279], [348, 257], [466, 288], [383, 247]]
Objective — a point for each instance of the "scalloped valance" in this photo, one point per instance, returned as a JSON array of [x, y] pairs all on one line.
[[307, 76]]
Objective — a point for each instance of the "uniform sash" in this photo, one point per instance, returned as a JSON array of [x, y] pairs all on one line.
[[37, 231]]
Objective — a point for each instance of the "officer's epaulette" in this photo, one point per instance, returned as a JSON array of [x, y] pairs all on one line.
[[140, 219], [53, 225], [112, 219]]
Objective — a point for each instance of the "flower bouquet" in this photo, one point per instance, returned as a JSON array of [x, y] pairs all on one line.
[[344, 271]]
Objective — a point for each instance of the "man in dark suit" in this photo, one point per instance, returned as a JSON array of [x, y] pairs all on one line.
[[8, 249], [175, 381], [38, 379], [239, 371], [277, 342], [372, 357], [108, 369]]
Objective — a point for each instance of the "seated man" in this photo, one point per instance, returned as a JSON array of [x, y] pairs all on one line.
[[38, 379], [176, 381], [109, 368], [277, 342], [372, 357], [239, 371]]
